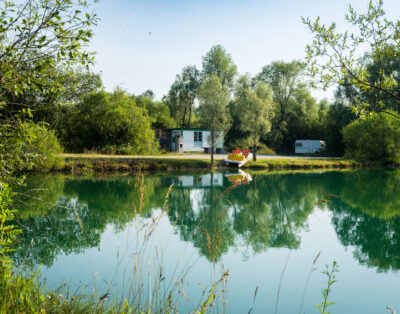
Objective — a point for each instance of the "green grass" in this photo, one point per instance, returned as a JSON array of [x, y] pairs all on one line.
[[94, 163], [89, 163], [303, 163]]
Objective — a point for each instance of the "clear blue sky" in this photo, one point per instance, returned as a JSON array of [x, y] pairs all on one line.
[[143, 44]]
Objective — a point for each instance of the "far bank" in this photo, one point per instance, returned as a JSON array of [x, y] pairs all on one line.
[[75, 163]]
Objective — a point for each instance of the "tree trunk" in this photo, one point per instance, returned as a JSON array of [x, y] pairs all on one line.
[[255, 152], [184, 118], [183, 121], [212, 148], [190, 114]]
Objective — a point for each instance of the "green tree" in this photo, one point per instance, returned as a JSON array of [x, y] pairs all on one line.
[[376, 138], [110, 122], [295, 109], [256, 109], [337, 58], [213, 110], [181, 96], [75, 84], [158, 112], [338, 116], [124, 123], [35, 37], [218, 62]]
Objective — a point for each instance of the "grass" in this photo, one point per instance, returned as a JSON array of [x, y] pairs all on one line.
[[303, 163], [89, 163], [107, 163]]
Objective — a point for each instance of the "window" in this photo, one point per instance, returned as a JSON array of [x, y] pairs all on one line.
[[299, 145], [198, 136]]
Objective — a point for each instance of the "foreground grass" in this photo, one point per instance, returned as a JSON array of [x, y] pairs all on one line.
[[26, 295]]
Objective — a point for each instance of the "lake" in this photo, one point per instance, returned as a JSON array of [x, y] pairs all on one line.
[[274, 232]]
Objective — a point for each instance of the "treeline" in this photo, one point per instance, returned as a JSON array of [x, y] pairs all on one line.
[[270, 110], [273, 108]]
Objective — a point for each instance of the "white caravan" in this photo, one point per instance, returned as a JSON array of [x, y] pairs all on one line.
[[309, 146]]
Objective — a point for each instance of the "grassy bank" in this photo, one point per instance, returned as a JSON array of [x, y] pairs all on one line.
[[305, 163], [76, 163], [104, 163]]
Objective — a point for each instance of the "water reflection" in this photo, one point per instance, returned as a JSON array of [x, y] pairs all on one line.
[[216, 212]]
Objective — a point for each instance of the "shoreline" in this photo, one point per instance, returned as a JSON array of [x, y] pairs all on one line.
[[83, 163]]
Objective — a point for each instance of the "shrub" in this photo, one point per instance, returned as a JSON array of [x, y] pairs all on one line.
[[374, 138], [265, 150], [44, 144]]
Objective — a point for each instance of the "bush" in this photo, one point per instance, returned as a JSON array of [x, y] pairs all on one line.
[[375, 138], [44, 144], [265, 150]]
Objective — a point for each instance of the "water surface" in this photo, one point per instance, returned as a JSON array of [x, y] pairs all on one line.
[[265, 228]]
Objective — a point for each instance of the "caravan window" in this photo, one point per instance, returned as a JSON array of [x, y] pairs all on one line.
[[299, 145], [198, 136]]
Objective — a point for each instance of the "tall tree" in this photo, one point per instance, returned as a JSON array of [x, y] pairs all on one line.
[[338, 116], [256, 109], [181, 96], [295, 108], [213, 110], [336, 58], [218, 62]]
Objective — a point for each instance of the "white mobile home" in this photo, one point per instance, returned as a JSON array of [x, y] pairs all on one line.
[[309, 146], [188, 140]]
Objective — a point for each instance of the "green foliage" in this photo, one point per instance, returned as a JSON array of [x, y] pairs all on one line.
[[55, 108], [330, 273], [181, 96], [13, 156], [295, 110], [265, 150], [218, 62], [255, 109], [375, 138], [335, 58], [110, 122], [8, 232], [213, 110], [159, 112], [338, 116], [44, 144], [36, 36]]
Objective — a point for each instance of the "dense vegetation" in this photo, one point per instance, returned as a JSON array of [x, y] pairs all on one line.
[[279, 96]]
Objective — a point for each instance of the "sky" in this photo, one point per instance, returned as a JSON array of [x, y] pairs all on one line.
[[144, 44]]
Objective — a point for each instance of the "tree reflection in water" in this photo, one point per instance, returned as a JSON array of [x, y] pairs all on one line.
[[271, 211]]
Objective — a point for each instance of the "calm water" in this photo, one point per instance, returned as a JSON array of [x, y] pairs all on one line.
[[266, 229]]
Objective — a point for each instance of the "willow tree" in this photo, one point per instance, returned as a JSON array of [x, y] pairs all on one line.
[[213, 109], [255, 106]]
